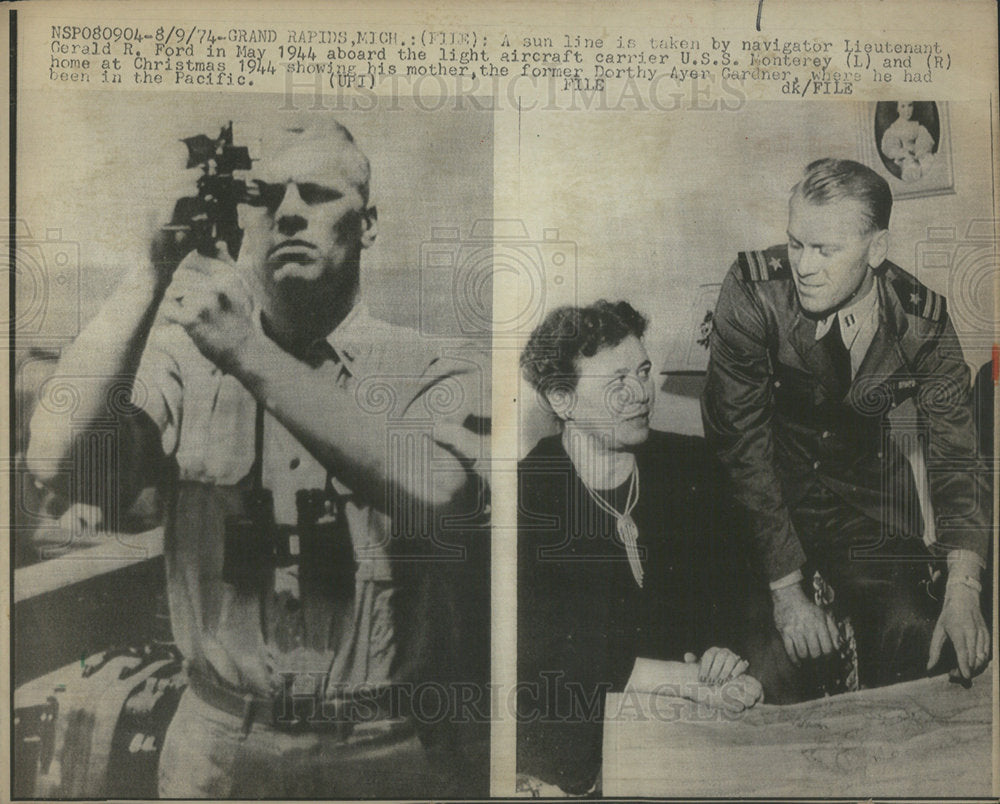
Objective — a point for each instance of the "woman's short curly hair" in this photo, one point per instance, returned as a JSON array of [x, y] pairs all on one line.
[[568, 333]]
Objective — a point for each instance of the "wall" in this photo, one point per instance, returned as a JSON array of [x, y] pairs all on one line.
[[653, 221]]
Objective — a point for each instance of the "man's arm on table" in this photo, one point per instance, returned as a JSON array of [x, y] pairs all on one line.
[[737, 407]]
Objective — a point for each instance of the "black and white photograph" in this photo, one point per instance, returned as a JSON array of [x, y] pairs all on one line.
[[909, 143], [486, 402], [252, 532], [908, 135], [755, 485]]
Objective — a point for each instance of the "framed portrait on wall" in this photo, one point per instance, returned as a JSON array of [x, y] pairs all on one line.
[[909, 143]]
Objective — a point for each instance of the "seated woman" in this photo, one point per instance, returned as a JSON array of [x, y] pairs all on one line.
[[626, 576]]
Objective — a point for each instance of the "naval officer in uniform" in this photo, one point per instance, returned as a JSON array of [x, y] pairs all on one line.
[[814, 342]]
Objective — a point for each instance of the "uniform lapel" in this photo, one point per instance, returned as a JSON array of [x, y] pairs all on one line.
[[882, 359]]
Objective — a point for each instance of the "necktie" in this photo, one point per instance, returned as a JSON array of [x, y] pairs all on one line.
[[839, 354]]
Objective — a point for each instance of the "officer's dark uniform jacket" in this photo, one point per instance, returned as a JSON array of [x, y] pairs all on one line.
[[780, 423]]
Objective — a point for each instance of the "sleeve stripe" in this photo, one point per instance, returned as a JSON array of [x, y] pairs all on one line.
[[938, 310], [754, 266], [744, 266], [933, 305], [765, 272]]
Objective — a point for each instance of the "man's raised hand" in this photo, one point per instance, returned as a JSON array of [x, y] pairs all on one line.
[[211, 300]]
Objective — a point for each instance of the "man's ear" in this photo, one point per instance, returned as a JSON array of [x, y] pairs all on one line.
[[878, 248], [369, 224]]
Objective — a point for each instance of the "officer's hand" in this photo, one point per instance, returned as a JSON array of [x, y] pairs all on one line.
[[211, 300], [808, 632], [962, 622]]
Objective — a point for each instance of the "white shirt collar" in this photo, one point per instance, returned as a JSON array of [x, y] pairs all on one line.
[[345, 343], [350, 332], [853, 316]]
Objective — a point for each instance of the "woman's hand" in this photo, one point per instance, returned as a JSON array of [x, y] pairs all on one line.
[[735, 695], [734, 692], [721, 682], [718, 665]]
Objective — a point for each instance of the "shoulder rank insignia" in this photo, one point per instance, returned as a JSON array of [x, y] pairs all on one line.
[[759, 266], [918, 299]]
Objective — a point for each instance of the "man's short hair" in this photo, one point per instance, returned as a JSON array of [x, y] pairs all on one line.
[[332, 131], [828, 180], [549, 359]]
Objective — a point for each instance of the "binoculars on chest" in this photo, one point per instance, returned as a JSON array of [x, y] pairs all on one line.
[[319, 542]]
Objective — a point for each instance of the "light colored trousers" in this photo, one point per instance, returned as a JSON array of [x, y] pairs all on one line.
[[206, 756]]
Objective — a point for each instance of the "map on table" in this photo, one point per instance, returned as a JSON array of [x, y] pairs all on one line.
[[917, 739]]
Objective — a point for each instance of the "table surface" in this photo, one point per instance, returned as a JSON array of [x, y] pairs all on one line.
[[917, 739], [94, 554]]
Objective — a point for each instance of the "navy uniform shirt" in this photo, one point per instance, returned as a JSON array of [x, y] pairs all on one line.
[[781, 422]]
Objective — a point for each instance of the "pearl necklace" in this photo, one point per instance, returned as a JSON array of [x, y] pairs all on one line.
[[624, 524]]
